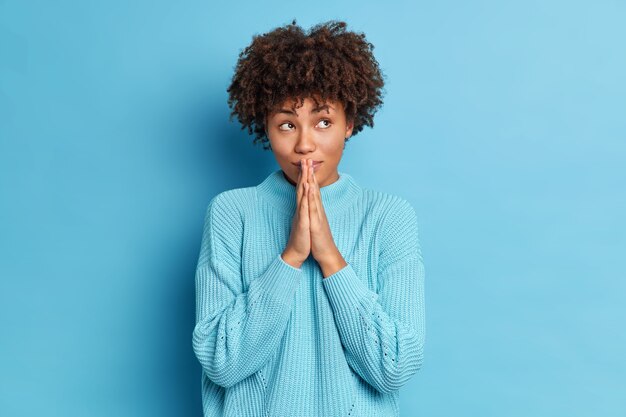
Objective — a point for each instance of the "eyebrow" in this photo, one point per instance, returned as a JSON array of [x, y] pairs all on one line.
[[315, 110]]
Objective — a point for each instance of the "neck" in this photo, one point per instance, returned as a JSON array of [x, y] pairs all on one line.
[[280, 192], [321, 184]]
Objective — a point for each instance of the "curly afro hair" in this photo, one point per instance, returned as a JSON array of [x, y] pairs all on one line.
[[287, 63]]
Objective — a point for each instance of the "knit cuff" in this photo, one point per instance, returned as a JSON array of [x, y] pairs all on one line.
[[280, 280], [345, 289]]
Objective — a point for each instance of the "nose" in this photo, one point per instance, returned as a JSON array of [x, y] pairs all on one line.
[[305, 142]]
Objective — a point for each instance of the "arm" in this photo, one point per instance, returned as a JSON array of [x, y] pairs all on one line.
[[383, 333], [236, 332]]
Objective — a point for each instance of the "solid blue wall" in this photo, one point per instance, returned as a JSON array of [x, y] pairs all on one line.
[[504, 125]]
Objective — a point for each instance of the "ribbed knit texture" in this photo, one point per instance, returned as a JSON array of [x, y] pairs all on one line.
[[275, 340]]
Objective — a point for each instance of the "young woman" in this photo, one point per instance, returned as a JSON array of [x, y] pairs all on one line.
[[310, 288]]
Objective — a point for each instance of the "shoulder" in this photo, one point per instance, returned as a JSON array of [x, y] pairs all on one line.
[[233, 201], [391, 207], [226, 210], [224, 225], [397, 225]]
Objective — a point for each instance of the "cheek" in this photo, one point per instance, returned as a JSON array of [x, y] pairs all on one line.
[[283, 156], [334, 149], [279, 150]]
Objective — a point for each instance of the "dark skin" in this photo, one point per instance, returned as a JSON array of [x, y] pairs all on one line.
[[310, 135], [310, 232]]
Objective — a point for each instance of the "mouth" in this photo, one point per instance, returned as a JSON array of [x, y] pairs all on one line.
[[315, 164]]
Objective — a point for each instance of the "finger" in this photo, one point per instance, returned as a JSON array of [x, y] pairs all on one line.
[[309, 170], [304, 210], [300, 173], [303, 190], [316, 186], [302, 186], [318, 197], [299, 186], [302, 182], [313, 212]]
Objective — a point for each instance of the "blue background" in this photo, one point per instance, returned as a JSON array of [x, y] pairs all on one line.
[[504, 125]]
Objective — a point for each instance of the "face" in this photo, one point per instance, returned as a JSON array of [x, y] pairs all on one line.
[[309, 133]]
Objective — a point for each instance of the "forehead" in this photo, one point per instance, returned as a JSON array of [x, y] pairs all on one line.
[[309, 105]]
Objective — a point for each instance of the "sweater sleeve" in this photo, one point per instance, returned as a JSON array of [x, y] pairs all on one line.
[[383, 333], [237, 331]]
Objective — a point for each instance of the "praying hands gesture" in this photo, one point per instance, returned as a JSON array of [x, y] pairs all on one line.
[[310, 231]]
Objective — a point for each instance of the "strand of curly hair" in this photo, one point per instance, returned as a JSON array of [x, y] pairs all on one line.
[[328, 62]]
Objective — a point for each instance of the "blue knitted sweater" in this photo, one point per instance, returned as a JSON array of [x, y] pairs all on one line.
[[275, 340]]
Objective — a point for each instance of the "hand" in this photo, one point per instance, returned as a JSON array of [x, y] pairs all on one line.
[[323, 246], [299, 244]]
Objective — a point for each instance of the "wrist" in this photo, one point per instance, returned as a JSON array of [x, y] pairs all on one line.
[[332, 264], [293, 260]]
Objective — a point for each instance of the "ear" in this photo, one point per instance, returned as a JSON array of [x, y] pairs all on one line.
[[349, 129]]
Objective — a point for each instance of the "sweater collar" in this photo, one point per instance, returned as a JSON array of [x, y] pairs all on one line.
[[336, 197]]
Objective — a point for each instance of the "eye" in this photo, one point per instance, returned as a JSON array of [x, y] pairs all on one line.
[[291, 124], [326, 120]]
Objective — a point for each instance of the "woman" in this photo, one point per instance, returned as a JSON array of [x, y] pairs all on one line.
[[310, 288]]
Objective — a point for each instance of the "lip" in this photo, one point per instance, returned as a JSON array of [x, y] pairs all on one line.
[[315, 164]]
